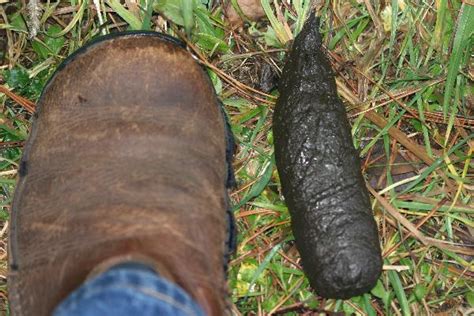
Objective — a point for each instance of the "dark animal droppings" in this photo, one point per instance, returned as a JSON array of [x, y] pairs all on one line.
[[319, 168]]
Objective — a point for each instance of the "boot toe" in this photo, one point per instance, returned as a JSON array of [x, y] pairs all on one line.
[[128, 148]]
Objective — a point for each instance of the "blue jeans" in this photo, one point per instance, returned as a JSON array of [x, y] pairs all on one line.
[[130, 289]]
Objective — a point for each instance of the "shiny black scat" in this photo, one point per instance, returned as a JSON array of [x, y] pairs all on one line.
[[320, 174]]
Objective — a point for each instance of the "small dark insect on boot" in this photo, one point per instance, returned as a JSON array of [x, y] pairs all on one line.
[[126, 159]]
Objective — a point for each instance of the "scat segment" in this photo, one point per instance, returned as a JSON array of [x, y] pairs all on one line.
[[319, 168]]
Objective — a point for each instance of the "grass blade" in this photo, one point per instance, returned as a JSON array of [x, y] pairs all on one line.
[[187, 8], [399, 292], [146, 25], [302, 9], [462, 40], [259, 186], [263, 266], [132, 20], [368, 307], [277, 25]]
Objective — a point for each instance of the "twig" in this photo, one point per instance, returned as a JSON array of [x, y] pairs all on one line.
[[242, 88], [27, 104], [34, 13], [399, 217]]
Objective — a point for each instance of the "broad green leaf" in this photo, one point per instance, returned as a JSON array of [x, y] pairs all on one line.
[[173, 10], [470, 298], [52, 44], [420, 291], [17, 24], [210, 43]]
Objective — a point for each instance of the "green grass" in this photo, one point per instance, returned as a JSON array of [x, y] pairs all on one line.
[[403, 70]]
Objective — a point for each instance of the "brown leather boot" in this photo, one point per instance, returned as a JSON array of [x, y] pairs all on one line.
[[126, 159]]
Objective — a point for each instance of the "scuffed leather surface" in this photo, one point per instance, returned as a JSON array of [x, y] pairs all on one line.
[[320, 174], [127, 155]]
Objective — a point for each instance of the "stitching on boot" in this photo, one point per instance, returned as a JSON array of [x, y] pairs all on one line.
[[229, 148], [230, 183]]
